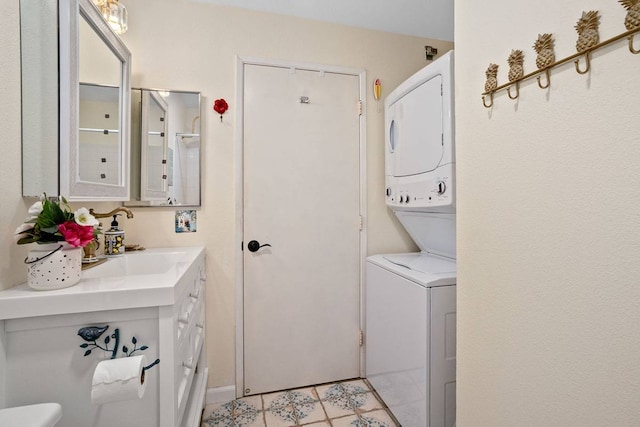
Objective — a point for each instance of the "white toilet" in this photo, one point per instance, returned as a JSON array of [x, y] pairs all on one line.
[[41, 415]]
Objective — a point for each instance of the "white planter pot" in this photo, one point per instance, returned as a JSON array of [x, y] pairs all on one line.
[[53, 266]]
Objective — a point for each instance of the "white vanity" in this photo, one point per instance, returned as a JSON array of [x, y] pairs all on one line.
[[156, 296]]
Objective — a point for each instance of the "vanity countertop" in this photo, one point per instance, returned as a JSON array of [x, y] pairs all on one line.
[[139, 279]]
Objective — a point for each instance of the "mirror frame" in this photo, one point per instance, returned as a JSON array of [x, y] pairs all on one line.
[[71, 11]]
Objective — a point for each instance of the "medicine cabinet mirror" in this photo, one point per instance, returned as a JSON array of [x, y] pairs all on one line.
[[75, 102], [165, 148]]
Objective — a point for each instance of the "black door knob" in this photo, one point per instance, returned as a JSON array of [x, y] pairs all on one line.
[[254, 245]]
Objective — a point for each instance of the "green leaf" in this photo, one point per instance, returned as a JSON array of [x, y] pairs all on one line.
[[84, 345], [144, 347], [51, 216], [86, 353], [26, 240], [134, 340]]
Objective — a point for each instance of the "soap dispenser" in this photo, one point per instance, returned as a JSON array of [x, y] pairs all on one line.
[[114, 239]]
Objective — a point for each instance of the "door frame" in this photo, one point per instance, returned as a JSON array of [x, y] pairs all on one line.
[[239, 192]]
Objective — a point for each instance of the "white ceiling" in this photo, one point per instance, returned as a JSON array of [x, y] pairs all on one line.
[[424, 18]]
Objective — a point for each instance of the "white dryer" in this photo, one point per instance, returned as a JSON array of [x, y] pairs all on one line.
[[411, 298]]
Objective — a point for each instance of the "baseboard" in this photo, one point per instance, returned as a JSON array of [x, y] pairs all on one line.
[[221, 394]]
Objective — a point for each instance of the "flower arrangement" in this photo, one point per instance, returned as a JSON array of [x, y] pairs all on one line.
[[52, 221]]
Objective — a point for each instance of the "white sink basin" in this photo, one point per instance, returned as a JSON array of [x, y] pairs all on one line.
[[136, 264]]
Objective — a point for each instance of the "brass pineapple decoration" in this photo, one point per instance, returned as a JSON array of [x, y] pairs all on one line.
[[632, 20], [544, 48], [587, 28], [492, 78], [516, 65]]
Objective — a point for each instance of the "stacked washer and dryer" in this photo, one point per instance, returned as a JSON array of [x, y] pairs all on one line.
[[411, 298]]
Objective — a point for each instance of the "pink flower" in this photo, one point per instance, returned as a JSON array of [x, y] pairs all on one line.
[[75, 234]]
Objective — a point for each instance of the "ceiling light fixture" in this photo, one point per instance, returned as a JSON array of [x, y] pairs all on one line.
[[115, 13]]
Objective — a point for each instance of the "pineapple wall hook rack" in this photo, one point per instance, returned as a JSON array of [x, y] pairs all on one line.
[[588, 41]]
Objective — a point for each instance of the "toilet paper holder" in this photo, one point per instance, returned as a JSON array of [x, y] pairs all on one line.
[[91, 335]]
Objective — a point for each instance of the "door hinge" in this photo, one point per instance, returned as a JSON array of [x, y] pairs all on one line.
[[242, 245], [361, 222], [361, 337], [360, 107]]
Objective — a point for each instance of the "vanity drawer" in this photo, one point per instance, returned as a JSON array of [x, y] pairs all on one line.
[[184, 370], [184, 319], [189, 304], [188, 356], [197, 334]]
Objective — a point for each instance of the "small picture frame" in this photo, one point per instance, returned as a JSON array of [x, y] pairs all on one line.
[[185, 221]]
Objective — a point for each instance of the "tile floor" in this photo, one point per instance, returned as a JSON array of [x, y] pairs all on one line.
[[342, 404]]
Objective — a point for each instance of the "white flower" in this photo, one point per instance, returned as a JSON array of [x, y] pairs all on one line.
[[35, 210], [83, 217], [24, 227]]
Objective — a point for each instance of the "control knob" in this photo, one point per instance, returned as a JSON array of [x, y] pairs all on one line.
[[388, 191], [441, 187]]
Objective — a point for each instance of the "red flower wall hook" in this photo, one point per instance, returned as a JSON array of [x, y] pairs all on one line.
[[220, 106]]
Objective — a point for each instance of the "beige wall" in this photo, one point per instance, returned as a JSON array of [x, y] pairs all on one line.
[[184, 45], [548, 225]]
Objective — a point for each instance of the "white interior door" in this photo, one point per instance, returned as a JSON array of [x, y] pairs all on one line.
[[302, 197]]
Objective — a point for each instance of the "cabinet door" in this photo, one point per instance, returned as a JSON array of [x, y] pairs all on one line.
[[44, 363], [92, 56]]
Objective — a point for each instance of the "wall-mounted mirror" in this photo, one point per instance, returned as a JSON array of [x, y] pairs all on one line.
[[165, 148], [75, 102]]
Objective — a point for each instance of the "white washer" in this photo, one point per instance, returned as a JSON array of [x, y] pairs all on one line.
[[411, 336], [411, 298]]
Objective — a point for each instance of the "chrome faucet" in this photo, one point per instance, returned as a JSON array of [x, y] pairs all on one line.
[[112, 213]]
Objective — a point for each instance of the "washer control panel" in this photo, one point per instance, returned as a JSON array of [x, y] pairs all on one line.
[[428, 193]]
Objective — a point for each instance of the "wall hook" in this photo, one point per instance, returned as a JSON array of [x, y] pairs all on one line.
[[588, 37], [548, 74], [516, 71], [587, 64], [517, 91], [631, 48], [631, 20], [546, 56], [491, 84], [490, 99]]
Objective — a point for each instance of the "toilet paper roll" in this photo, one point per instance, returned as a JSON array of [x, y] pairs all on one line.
[[120, 379]]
